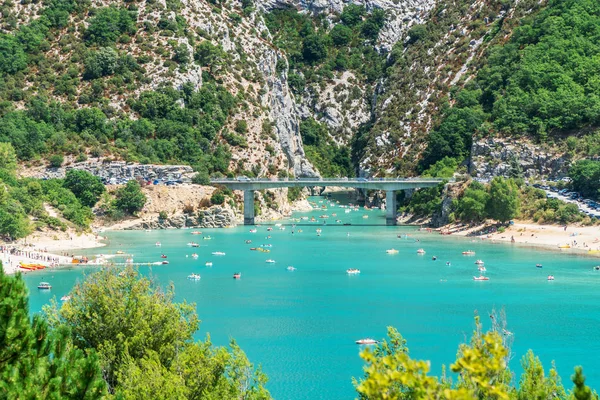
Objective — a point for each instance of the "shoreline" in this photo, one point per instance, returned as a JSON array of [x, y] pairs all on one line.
[[50, 249], [582, 240]]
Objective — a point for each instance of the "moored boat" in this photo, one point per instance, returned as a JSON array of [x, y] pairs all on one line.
[[165, 262], [290, 268], [479, 262], [196, 233], [367, 341], [353, 271], [208, 264], [269, 261], [218, 253], [65, 298], [158, 244], [481, 278], [44, 285], [194, 277], [392, 251], [420, 251], [538, 265], [468, 253], [237, 275], [550, 277]]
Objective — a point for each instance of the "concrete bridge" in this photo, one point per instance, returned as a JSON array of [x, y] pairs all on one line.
[[390, 185]]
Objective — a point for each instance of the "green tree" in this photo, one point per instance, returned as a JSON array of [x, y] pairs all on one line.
[[12, 55], [503, 201], [581, 391], [56, 160], [585, 175], [341, 35], [145, 342], [108, 24], [217, 197], [85, 186], [8, 157], [130, 198], [101, 63], [36, 362], [314, 48], [534, 384], [471, 206], [352, 14]]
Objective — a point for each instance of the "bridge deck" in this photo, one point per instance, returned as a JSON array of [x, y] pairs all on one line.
[[359, 183]]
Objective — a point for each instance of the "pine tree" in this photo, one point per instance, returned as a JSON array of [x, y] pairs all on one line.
[[581, 391], [36, 362]]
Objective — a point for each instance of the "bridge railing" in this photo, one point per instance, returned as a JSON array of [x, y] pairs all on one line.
[[235, 180]]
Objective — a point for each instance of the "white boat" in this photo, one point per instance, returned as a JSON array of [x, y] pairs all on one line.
[[194, 255], [157, 244], [468, 253], [392, 251], [420, 251], [319, 230], [479, 262], [194, 277], [148, 230], [550, 277], [218, 253], [353, 271], [481, 268], [367, 341], [347, 211], [44, 285], [193, 244], [269, 261], [253, 230], [208, 264], [481, 278], [290, 268], [65, 298]]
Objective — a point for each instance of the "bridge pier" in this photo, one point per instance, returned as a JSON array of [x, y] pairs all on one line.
[[391, 207], [248, 207]]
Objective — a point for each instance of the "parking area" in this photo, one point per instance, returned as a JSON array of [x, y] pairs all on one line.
[[587, 206]]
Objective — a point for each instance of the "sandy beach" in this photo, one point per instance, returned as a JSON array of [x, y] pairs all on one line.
[[46, 248], [575, 239]]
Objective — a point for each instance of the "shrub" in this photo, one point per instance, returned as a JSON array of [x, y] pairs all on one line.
[[341, 35], [108, 24], [163, 215], [217, 198], [85, 186], [56, 160], [130, 198], [314, 48], [100, 63]]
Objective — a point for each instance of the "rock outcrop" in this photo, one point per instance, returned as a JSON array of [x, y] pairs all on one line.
[[214, 217], [118, 171], [505, 157]]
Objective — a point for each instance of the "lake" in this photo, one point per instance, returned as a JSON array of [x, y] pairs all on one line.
[[301, 325]]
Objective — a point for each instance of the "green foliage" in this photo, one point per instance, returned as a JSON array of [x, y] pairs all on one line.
[[210, 56], [130, 198], [341, 35], [481, 365], [217, 197], [444, 168], [329, 158], [37, 362], [503, 201], [56, 160], [314, 48], [85, 186], [100, 63], [62, 198], [417, 32], [145, 342], [471, 206], [294, 193], [12, 55], [163, 215], [8, 157], [108, 24], [352, 14], [425, 202], [585, 175]]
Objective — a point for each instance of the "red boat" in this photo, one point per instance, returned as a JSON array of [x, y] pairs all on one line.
[[237, 275], [163, 256]]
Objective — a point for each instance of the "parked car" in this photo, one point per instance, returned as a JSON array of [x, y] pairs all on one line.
[[242, 179]]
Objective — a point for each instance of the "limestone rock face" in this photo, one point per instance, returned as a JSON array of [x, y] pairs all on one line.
[[502, 157], [214, 217], [401, 14], [117, 171]]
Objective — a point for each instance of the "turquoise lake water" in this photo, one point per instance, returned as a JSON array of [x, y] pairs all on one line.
[[301, 325]]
